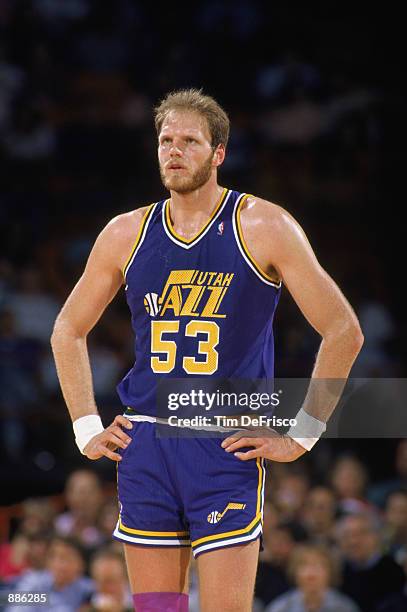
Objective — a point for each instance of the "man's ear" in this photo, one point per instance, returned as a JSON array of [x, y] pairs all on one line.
[[219, 155]]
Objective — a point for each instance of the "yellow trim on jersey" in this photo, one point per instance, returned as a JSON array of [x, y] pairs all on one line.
[[152, 533], [190, 240], [220, 536], [257, 518], [244, 245], [259, 486], [139, 234]]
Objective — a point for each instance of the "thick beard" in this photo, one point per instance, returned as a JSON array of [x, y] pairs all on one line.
[[188, 185]]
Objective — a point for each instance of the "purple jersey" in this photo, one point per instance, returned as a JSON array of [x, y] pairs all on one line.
[[200, 307]]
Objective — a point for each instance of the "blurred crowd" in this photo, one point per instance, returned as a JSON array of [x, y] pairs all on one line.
[[313, 124], [78, 80], [337, 543]]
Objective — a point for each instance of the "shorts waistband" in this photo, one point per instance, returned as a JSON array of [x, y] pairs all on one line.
[[150, 419]]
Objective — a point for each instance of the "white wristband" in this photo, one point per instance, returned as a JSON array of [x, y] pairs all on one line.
[[85, 428], [307, 430]]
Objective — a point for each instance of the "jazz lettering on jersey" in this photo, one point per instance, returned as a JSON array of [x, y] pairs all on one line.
[[193, 293]]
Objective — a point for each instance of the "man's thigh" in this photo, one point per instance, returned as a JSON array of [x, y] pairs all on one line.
[[156, 569], [227, 577]]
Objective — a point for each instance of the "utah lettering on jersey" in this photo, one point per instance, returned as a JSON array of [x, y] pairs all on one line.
[[191, 293]]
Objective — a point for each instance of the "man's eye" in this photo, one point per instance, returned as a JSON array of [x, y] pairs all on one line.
[[165, 141], [191, 140]]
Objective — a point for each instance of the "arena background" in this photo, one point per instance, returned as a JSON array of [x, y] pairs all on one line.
[[316, 109]]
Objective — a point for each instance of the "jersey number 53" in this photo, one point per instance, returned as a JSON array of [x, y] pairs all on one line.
[[168, 348]]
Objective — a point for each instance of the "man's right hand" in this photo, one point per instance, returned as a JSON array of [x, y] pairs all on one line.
[[113, 437]]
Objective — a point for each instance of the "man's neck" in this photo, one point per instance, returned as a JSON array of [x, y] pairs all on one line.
[[196, 205]]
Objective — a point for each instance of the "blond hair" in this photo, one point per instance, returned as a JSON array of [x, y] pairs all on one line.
[[327, 559], [193, 100]]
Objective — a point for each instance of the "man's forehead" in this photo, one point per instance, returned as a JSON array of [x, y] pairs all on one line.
[[179, 120]]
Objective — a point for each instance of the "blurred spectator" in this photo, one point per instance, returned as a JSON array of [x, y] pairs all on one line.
[[103, 48], [319, 515], [298, 122], [37, 554], [84, 498], [11, 81], [59, 11], [369, 576], [395, 525], [34, 309], [6, 278], [24, 552], [398, 601], [37, 516], [277, 81], [295, 349], [28, 546], [349, 480], [19, 359], [240, 158], [107, 519], [378, 328], [13, 557], [289, 495], [63, 580], [279, 542], [240, 18], [112, 592], [313, 571], [106, 369], [29, 137], [379, 492]]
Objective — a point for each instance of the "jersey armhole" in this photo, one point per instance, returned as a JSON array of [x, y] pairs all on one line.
[[260, 273], [139, 239]]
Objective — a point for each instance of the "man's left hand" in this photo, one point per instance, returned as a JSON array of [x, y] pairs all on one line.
[[267, 444]]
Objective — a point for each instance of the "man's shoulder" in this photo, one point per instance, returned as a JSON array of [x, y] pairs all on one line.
[[256, 210], [117, 238], [271, 224], [126, 223], [120, 233]]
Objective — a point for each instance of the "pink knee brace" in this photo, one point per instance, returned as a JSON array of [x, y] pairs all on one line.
[[160, 602]]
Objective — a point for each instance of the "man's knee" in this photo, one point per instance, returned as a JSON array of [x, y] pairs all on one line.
[[160, 602]]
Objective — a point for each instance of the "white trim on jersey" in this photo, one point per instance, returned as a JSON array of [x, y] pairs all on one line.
[[249, 263], [263, 465], [229, 542], [208, 227], [150, 541], [142, 237]]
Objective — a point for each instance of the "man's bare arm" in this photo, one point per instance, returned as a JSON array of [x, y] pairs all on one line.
[[280, 242], [318, 297], [95, 289]]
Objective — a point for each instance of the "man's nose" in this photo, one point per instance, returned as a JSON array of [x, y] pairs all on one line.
[[175, 149]]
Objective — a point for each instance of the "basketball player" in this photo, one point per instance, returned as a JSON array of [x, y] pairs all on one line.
[[202, 272]]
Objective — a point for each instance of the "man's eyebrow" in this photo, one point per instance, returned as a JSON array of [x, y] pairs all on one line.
[[185, 135]]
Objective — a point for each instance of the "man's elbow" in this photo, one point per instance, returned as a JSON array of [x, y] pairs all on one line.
[[354, 336], [56, 332], [347, 334], [62, 331]]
